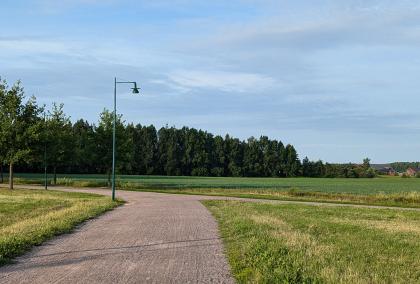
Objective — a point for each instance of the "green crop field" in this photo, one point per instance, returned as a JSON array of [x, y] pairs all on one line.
[[28, 217], [338, 185], [269, 243], [390, 191]]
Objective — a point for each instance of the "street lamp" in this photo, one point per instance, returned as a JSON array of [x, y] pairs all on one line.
[[135, 90]]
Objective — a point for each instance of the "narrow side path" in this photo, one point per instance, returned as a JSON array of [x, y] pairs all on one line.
[[153, 238]]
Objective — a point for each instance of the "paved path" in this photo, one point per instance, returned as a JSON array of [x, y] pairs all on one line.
[[153, 238]]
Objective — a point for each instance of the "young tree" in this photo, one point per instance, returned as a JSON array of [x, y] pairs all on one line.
[[60, 141], [103, 139], [19, 126]]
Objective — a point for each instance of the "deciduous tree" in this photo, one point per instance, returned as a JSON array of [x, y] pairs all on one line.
[[20, 126], [60, 141]]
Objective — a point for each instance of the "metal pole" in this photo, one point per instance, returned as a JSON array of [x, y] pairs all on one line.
[[113, 139], [45, 153]]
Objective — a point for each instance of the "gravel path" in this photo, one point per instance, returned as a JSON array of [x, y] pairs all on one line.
[[153, 238]]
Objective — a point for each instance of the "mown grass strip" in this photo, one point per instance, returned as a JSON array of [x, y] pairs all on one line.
[[29, 217], [269, 243], [402, 199]]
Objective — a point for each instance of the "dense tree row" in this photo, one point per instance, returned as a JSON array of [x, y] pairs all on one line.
[[31, 135], [87, 148]]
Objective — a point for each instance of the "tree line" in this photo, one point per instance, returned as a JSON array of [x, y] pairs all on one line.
[[33, 137], [403, 166]]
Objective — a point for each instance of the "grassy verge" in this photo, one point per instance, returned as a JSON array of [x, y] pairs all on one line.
[[269, 243], [401, 199], [29, 217], [384, 191]]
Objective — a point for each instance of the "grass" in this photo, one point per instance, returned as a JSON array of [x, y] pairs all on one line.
[[29, 217], [385, 191], [268, 243], [400, 199], [384, 185]]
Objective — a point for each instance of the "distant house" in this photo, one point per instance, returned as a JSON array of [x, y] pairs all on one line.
[[387, 171], [411, 172]]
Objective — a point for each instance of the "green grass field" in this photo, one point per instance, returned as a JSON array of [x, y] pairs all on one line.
[[269, 243], [388, 191], [339, 185], [29, 217]]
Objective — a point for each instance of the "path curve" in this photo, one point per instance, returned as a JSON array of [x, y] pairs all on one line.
[[153, 238]]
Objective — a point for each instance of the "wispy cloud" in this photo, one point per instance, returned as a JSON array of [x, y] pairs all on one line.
[[222, 80]]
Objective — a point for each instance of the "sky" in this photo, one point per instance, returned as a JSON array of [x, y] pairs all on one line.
[[340, 80]]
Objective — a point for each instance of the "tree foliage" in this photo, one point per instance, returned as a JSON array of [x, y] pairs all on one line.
[[83, 147], [20, 126], [59, 141]]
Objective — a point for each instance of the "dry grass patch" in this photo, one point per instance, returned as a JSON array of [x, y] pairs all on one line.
[[400, 226]]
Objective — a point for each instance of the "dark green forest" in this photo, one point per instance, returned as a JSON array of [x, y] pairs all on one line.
[[28, 131]]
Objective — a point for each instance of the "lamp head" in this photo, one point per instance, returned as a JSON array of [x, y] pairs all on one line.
[[135, 89]]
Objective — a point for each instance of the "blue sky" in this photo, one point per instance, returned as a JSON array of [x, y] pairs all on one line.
[[340, 80]]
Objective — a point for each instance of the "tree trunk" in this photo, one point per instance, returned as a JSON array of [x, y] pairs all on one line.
[[11, 176], [55, 175], [1, 173], [109, 179]]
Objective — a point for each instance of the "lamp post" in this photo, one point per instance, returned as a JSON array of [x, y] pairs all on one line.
[[135, 91]]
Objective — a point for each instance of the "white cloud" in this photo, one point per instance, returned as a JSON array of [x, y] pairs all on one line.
[[222, 80]]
